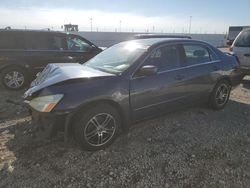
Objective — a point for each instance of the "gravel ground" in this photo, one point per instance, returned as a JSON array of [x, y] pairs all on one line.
[[195, 147]]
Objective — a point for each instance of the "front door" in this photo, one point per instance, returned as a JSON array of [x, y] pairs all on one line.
[[159, 93]]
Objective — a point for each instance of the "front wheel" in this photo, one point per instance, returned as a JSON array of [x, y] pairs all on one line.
[[220, 95], [14, 78], [97, 127]]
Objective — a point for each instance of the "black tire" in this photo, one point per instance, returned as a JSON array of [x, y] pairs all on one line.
[[220, 95], [14, 78], [97, 127]]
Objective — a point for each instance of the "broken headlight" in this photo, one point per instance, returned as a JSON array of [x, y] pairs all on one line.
[[45, 103]]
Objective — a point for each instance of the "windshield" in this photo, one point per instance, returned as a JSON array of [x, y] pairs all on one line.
[[117, 58]]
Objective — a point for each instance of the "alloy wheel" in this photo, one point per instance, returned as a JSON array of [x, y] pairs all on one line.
[[100, 129], [222, 94], [14, 79]]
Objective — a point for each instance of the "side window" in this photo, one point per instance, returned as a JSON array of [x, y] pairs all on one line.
[[196, 54], [58, 43], [165, 58], [243, 40], [75, 43]]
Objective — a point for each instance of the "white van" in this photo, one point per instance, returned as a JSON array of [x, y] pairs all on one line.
[[241, 48]]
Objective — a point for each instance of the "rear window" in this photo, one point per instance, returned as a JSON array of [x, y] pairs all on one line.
[[243, 40]]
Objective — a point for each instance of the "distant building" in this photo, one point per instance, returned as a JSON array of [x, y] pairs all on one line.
[[70, 27]]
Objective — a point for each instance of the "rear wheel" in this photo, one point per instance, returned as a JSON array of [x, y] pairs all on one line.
[[97, 127], [14, 78], [220, 95]]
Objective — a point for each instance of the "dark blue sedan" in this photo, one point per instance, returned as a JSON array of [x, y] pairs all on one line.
[[129, 82]]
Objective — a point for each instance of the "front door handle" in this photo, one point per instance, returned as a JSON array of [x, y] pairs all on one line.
[[179, 77], [247, 55]]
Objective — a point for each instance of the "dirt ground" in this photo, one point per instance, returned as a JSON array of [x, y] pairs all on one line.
[[195, 147]]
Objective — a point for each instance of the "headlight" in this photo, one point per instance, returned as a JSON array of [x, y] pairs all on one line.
[[46, 103]]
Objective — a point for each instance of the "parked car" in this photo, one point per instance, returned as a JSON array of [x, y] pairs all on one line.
[[241, 48], [23, 53], [129, 82], [233, 32]]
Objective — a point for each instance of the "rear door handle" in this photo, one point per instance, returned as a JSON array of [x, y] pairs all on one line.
[[247, 55], [179, 77]]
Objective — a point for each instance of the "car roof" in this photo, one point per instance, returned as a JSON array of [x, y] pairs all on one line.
[[147, 36], [159, 41], [29, 31]]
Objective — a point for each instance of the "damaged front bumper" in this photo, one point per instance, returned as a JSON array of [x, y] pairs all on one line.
[[51, 123]]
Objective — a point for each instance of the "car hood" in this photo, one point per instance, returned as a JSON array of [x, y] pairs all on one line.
[[56, 73]]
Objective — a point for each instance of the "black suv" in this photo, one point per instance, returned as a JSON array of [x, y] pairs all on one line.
[[23, 53]]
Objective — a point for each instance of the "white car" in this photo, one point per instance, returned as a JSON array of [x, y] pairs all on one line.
[[241, 48]]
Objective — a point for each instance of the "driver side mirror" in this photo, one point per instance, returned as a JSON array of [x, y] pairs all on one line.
[[147, 70]]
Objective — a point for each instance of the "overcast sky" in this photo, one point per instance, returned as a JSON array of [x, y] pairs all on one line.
[[213, 16]]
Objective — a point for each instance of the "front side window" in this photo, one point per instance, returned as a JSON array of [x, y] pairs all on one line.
[[77, 44], [196, 54], [165, 58], [243, 40]]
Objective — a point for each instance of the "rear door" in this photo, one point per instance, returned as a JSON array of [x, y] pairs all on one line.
[[45, 48], [202, 67], [159, 93]]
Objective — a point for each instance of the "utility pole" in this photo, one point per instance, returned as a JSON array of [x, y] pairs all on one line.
[[91, 24], [190, 24], [120, 26]]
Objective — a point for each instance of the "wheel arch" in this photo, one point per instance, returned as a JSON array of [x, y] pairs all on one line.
[[214, 105], [226, 78], [13, 65], [85, 106]]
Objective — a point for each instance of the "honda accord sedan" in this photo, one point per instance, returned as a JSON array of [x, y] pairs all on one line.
[[129, 82]]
